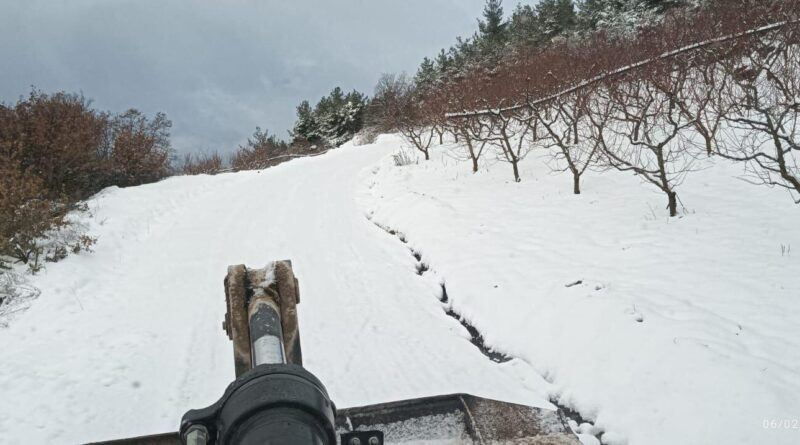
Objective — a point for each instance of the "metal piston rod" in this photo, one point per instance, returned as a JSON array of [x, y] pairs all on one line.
[[266, 336], [261, 320]]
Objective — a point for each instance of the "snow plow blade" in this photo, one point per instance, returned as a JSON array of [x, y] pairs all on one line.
[[447, 419], [458, 419]]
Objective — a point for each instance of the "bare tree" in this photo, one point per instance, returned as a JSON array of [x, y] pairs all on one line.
[[650, 138], [440, 128], [695, 84], [416, 121], [764, 103], [510, 133], [401, 107], [474, 133], [421, 137], [565, 121]]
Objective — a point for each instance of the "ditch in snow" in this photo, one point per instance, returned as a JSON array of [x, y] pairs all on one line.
[[577, 422]]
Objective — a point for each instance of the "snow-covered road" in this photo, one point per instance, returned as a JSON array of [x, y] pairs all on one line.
[[124, 340]]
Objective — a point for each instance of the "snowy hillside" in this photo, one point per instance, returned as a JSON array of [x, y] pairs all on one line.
[[679, 330], [660, 331]]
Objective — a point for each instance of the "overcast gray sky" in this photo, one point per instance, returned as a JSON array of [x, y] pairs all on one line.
[[218, 68]]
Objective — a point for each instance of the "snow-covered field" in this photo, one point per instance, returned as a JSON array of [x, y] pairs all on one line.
[[678, 331]]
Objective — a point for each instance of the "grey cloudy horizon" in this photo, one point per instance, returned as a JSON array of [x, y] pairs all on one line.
[[220, 68]]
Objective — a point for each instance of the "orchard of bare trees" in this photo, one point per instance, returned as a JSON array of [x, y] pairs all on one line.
[[717, 82]]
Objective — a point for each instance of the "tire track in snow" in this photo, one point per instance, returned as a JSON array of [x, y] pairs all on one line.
[[476, 338], [579, 424]]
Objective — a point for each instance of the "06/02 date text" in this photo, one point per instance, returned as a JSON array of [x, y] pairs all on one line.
[[782, 424]]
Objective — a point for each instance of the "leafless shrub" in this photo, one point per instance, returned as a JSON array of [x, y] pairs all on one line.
[[55, 150], [262, 150], [202, 164], [140, 149], [15, 293], [58, 138], [60, 241], [33, 227], [403, 158], [26, 214], [75, 150], [366, 136]]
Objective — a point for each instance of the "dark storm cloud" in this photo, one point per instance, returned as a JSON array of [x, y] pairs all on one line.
[[218, 68]]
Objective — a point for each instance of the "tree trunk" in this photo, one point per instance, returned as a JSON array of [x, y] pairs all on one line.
[[576, 183], [673, 203], [472, 154], [662, 171], [709, 145], [516, 170], [783, 170], [427, 157]]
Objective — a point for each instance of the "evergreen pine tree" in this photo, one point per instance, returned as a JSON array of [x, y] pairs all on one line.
[[444, 65], [306, 126], [523, 28], [492, 36], [352, 114], [426, 74], [660, 5], [556, 17], [336, 118], [591, 13], [466, 55], [621, 16], [492, 26]]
